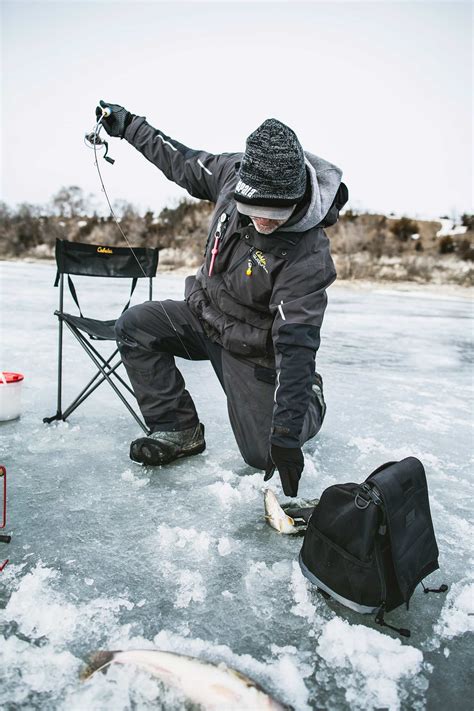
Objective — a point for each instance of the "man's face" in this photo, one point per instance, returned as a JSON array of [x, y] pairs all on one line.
[[266, 226]]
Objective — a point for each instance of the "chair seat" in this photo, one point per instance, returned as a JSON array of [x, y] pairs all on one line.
[[102, 330]]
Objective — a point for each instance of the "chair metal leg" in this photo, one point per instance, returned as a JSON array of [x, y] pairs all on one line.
[[60, 347], [102, 359], [88, 390], [78, 336], [59, 414]]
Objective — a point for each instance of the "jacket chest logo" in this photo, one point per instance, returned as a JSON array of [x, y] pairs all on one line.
[[258, 258]]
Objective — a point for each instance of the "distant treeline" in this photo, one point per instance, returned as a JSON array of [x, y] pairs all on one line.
[[364, 245], [32, 230]]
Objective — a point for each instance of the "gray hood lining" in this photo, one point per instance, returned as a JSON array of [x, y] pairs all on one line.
[[325, 181]]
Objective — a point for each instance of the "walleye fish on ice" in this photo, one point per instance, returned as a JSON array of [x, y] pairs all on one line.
[[214, 687], [292, 518]]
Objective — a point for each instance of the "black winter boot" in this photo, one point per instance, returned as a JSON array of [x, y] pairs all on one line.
[[163, 447]]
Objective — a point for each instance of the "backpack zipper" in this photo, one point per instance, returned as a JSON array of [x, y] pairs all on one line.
[[379, 495], [379, 618], [362, 503], [379, 564]]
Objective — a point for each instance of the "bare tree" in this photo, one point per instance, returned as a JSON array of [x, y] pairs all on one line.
[[125, 210], [70, 202]]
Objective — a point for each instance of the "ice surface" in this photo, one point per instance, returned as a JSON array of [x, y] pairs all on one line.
[[457, 616], [374, 664], [107, 554]]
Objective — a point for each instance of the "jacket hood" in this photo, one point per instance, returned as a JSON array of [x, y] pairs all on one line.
[[325, 181]]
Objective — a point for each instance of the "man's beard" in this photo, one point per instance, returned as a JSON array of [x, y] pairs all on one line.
[[267, 230]]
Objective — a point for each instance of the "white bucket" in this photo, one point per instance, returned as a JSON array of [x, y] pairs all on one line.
[[10, 395]]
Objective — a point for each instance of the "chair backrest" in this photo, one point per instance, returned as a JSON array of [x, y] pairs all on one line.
[[104, 261]]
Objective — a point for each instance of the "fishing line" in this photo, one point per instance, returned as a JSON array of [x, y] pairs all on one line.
[[94, 144], [98, 141]]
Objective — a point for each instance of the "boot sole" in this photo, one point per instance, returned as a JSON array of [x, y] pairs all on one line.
[[155, 458]]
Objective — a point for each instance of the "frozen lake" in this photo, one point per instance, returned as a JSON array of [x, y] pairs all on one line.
[[108, 555]]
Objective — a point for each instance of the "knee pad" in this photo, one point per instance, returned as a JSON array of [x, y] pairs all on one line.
[[120, 329], [124, 328], [127, 322]]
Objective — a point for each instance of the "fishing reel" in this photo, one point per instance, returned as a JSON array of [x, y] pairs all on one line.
[[93, 140]]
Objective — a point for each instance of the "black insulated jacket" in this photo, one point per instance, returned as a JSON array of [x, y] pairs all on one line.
[[262, 297]]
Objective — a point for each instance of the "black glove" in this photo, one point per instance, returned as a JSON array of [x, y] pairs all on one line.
[[117, 122], [290, 464]]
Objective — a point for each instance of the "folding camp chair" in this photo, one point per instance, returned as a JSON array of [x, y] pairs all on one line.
[[97, 261]]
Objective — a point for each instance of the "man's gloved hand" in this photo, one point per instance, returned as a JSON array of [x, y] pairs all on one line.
[[117, 122], [290, 464]]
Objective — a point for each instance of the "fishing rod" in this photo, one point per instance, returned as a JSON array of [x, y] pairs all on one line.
[[93, 140]]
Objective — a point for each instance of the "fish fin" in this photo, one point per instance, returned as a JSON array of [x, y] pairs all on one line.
[[269, 521], [97, 662]]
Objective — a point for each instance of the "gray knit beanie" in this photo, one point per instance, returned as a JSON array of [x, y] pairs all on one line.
[[273, 169]]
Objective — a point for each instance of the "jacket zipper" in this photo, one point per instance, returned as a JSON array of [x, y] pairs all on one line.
[[219, 233], [239, 261]]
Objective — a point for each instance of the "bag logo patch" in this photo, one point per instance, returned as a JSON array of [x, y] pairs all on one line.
[[105, 250]]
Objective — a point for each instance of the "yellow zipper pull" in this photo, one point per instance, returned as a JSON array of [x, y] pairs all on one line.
[[249, 268]]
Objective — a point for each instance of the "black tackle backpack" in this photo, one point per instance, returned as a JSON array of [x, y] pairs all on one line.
[[369, 545]]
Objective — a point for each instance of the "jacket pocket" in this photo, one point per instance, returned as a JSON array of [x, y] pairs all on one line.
[[243, 339], [265, 375]]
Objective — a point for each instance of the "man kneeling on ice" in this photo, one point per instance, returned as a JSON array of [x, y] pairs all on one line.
[[255, 306]]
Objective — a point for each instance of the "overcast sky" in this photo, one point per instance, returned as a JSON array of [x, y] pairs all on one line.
[[381, 89]]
